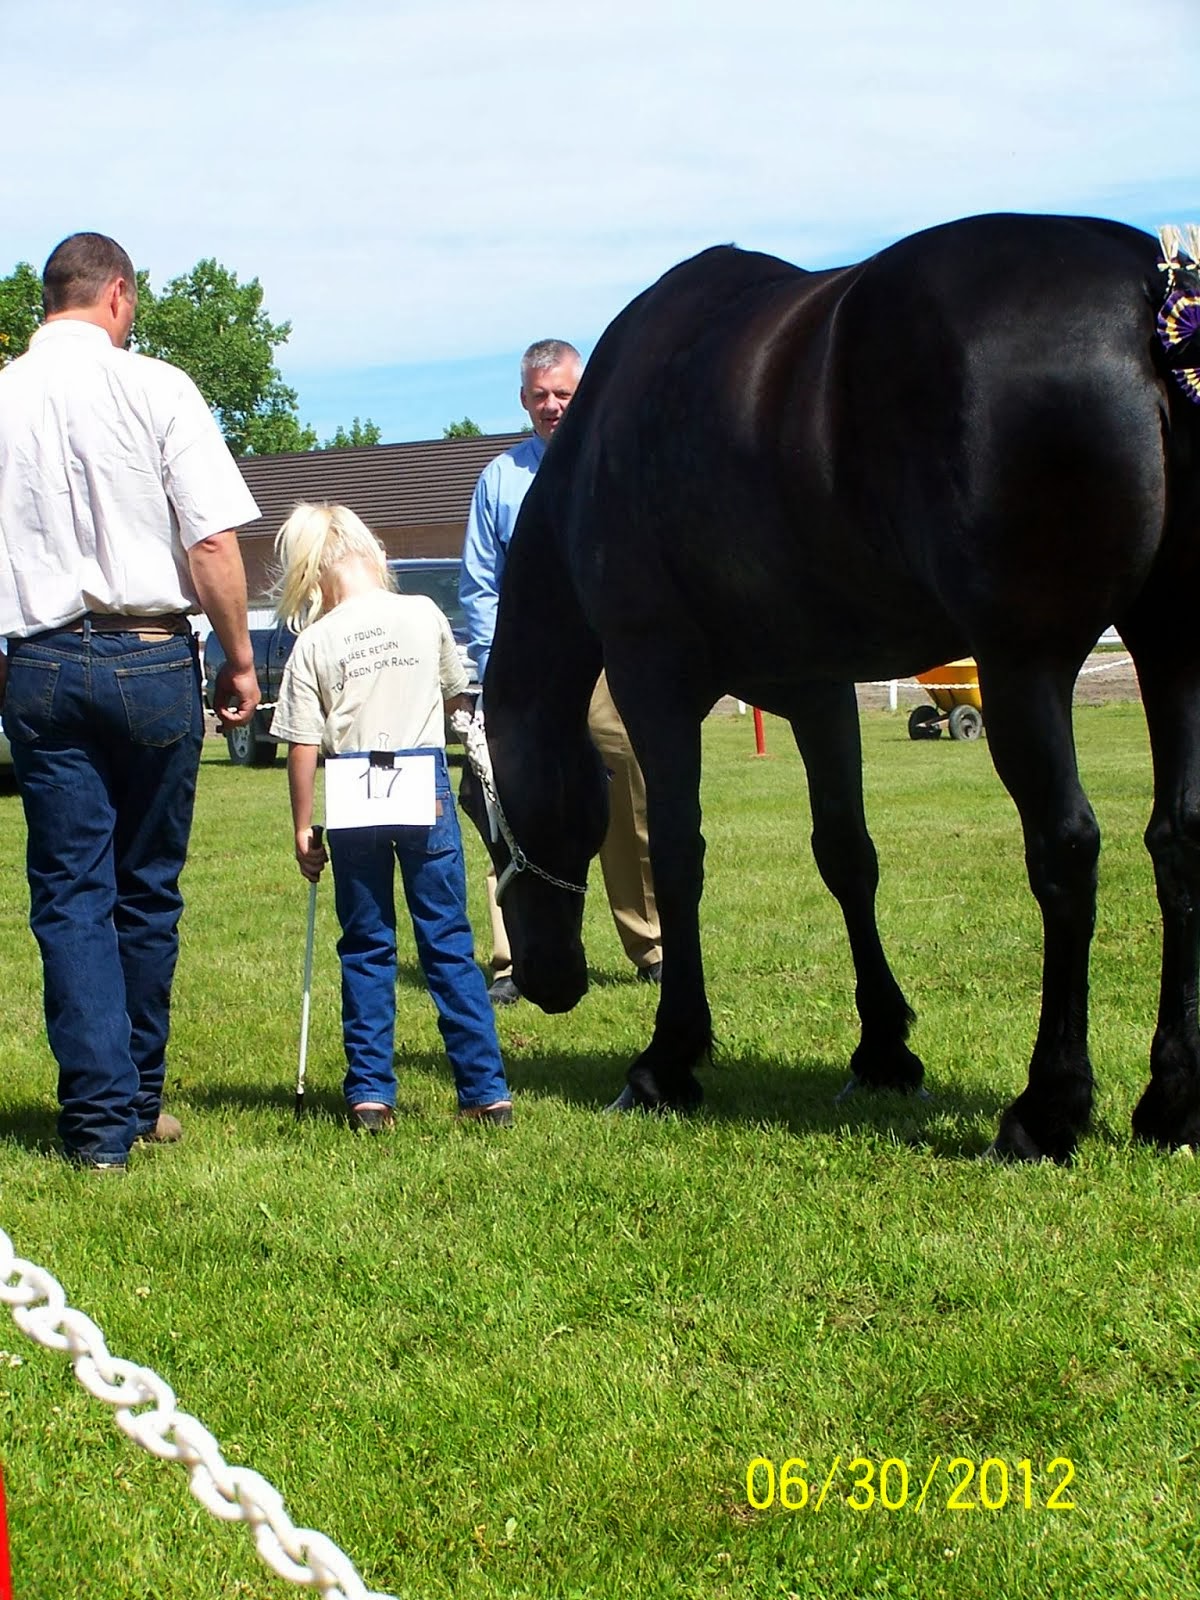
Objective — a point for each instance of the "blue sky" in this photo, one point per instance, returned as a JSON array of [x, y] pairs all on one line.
[[424, 188]]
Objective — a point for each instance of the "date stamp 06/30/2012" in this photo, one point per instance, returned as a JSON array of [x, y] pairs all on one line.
[[947, 1483]]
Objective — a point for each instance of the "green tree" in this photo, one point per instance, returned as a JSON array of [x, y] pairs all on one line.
[[466, 429], [20, 310], [358, 433], [215, 328]]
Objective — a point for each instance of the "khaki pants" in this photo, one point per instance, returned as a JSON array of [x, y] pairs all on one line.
[[625, 853]]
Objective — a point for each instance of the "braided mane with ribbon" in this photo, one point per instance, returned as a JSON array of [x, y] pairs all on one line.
[[1179, 317]]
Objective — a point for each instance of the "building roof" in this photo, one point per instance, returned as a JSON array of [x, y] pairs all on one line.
[[388, 485]]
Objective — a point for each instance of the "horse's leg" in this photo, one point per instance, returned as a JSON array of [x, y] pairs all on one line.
[[1035, 758], [825, 724], [664, 729], [1168, 1113]]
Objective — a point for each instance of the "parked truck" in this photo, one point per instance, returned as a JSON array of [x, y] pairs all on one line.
[[251, 744]]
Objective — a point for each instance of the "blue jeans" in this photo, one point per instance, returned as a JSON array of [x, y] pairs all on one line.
[[106, 731], [435, 886]]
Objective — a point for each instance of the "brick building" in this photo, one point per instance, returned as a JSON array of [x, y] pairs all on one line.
[[415, 497]]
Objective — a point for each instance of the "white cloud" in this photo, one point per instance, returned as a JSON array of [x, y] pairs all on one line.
[[419, 181]]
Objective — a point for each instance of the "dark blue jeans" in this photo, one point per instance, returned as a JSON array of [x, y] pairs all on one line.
[[106, 730], [435, 886]]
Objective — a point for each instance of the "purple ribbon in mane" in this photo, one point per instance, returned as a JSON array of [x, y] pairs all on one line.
[[1179, 321]]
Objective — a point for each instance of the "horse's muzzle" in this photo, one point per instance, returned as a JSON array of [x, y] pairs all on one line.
[[554, 985]]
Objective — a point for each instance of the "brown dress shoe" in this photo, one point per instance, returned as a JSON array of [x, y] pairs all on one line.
[[499, 1112], [372, 1119], [504, 992], [167, 1130]]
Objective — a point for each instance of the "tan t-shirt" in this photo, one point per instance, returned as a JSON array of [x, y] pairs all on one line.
[[371, 675]]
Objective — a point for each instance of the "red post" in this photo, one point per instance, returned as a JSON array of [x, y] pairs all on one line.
[[6, 1592], [760, 744]]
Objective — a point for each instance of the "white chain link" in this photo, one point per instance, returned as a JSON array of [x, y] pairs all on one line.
[[302, 1556], [474, 737]]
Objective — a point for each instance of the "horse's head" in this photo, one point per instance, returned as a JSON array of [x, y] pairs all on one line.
[[554, 797]]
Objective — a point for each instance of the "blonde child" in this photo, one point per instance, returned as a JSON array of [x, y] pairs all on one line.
[[371, 670]]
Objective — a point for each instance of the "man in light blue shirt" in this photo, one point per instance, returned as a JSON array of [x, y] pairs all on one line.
[[550, 372], [494, 506]]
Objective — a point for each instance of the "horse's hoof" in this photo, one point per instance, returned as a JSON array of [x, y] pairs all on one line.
[[996, 1156], [625, 1101], [856, 1086], [1167, 1116], [683, 1095], [893, 1066], [1014, 1142], [629, 1101]]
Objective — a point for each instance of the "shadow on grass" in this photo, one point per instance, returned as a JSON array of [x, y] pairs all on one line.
[[807, 1097], [32, 1127], [954, 1123], [324, 1102]]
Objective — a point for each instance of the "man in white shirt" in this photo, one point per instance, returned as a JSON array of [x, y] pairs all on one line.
[[119, 503]]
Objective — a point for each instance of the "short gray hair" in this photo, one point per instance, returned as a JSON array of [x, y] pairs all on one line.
[[547, 353]]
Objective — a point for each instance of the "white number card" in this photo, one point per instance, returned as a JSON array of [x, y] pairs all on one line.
[[380, 790]]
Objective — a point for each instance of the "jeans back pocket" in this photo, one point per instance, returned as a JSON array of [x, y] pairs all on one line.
[[161, 702], [29, 698]]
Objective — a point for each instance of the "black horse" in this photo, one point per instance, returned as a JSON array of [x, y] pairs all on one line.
[[774, 483]]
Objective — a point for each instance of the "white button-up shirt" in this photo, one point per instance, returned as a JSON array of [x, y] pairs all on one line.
[[111, 468]]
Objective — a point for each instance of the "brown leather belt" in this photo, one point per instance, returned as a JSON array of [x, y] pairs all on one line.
[[162, 625]]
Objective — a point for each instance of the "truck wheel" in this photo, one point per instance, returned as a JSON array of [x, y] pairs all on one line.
[[243, 747], [247, 747]]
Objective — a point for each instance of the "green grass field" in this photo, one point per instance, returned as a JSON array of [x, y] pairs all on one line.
[[536, 1365]]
